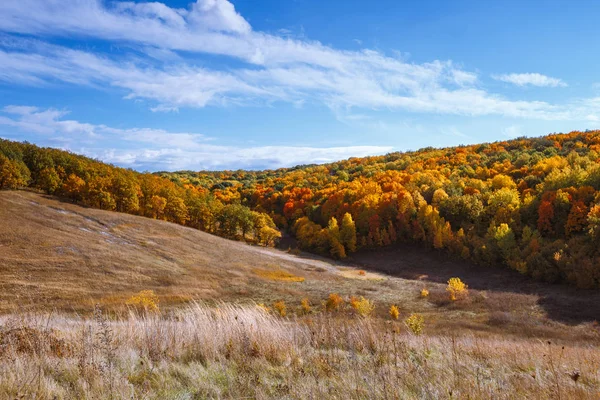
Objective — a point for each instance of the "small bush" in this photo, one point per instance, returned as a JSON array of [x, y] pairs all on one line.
[[415, 322], [457, 289], [305, 306], [280, 307], [364, 307], [334, 302], [362, 272], [146, 300], [394, 312], [424, 293]]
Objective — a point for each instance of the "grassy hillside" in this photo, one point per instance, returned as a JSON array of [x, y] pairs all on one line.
[[57, 255], [507, 337]]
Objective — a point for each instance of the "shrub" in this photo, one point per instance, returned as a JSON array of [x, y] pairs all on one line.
[[362, 272], [334, 302], [415, 322], [305, 306], [364, 307], [146, 300], [280, 307], [394, 312], [424, 293], [457, 289]]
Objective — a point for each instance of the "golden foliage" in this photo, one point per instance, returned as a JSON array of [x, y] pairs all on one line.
[[424, 293], [334, 302], [277, 275], [280, 307], [305, 306], [457, 289], [364, 307], [415, 322], [394, 312], [146, 300]]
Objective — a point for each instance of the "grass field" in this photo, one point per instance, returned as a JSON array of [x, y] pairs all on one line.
[[509, 338]]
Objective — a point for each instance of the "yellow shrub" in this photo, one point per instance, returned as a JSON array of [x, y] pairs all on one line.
[[146, 299], [305, 306], [362, 306], [424, 293], [334, 301], [394, 312], [415, 323], [280, 307], [457, 289]]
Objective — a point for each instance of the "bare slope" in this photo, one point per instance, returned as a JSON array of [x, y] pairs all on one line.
[[62, 255]]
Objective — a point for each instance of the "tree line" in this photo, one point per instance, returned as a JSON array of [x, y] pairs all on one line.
[[99, 185]]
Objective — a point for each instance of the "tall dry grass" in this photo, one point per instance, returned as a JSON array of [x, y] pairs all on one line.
[[243, 352]]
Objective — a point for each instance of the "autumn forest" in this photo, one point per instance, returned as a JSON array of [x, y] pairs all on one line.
[[530, 204]]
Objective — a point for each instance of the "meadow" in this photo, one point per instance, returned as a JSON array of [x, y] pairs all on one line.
[[96, 304]]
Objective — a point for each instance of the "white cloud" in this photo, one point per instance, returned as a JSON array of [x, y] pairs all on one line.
[[275, 69], [533, 79], [157, 149], [266, 68]]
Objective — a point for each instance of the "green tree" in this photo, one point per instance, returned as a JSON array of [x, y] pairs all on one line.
[[176, 210], [49, 180]]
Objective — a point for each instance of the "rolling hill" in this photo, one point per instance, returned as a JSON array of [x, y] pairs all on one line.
[[62, 256]]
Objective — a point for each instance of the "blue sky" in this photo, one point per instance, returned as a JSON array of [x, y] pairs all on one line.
[[218, 84]]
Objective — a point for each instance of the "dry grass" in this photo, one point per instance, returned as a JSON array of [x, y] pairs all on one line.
[[277, 274], [243, 352], [361, 274], [60, 258]]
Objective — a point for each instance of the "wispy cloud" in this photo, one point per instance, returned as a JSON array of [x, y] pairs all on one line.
[[273, 68], [530, 79], [157, 149]]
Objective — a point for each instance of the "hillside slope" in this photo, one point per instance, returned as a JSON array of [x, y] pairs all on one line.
[[61, 255], [57, 255]]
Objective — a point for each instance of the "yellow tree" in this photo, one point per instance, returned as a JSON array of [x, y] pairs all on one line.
[[336, 247], [348, 233]]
